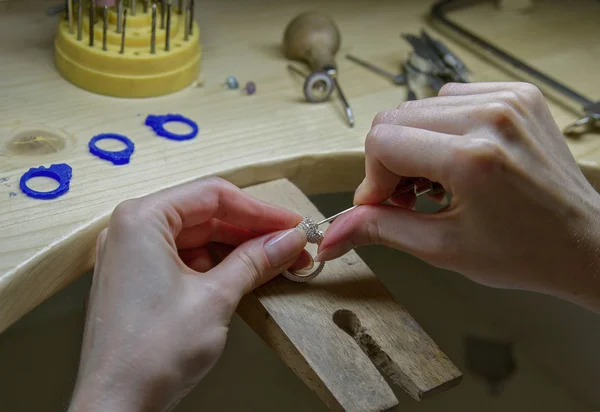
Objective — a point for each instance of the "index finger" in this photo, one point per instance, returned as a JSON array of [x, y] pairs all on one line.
[[199, 201], [393, 152]]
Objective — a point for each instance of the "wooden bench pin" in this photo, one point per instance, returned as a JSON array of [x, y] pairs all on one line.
[[342, 332]]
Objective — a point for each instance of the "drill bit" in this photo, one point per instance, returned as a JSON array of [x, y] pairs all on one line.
[[124, 30], [191, 16], [70, 15], [92, 21], [186, 28], [104, 27], [79, 19], [120, 16], [168, 33], [153, 33], [162, 14]]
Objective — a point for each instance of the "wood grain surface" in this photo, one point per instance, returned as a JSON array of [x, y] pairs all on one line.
[[336, 331], [248, 139]]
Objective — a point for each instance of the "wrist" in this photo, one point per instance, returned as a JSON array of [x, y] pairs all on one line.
[[109, 391], [584, 272]]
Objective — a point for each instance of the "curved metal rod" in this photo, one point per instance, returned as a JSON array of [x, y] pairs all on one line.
[[438, 12]]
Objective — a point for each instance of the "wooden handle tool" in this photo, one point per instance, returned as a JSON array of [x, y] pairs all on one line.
[[313, 37]]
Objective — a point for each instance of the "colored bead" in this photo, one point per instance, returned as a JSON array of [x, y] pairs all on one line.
[[231, 82], [250, 88]]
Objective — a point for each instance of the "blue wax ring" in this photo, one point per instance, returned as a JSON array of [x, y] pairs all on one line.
[[157, 124], [118, 158], [61, 173]]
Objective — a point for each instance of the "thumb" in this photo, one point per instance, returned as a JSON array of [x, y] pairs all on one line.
[[420, 234], [258, 260]]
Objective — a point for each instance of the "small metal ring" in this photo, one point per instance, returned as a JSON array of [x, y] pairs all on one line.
[[298, 276], [311, 81], [117, 158], [60, 172], [157, 124]]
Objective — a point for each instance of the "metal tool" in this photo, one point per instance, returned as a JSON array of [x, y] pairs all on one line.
[[314, 38], [104, 27], [120, 16], [124, 30], [318, 86], [591, 109], [92, 21], [191, 22], [430, 63], [418, 186], [168, 33], [589, 123], [453, 63], [70, 15], [186, 28], [80, 20], [398, 79], [153, 30], [133, 7]]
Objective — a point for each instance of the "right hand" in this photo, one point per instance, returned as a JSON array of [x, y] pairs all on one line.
[[522, 214]]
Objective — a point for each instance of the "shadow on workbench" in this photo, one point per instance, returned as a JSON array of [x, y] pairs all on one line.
[[554, 345]]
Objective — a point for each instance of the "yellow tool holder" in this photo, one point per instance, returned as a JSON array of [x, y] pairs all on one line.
[[135, 71]]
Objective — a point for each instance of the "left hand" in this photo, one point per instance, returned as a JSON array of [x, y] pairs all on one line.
[[159, 305]]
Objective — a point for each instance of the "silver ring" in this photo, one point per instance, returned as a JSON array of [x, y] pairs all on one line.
[[315, 236], [301, 276]]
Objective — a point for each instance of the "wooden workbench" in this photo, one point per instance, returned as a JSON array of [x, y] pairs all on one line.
[[248, 139]]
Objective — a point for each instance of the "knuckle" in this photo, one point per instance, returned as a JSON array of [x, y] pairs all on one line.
[[448, 88], [373, 232], [250, 272], [511, 97], [214, 182], [529, 92], [380, 118], [127, 212], [373, 138], [498, 112], [405, 104], [481, 156]]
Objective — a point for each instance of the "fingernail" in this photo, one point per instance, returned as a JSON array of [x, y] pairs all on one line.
[[333, 252], [283, 248]]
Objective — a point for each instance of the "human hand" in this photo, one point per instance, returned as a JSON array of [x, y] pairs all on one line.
[[522, 214], [160, 304]]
